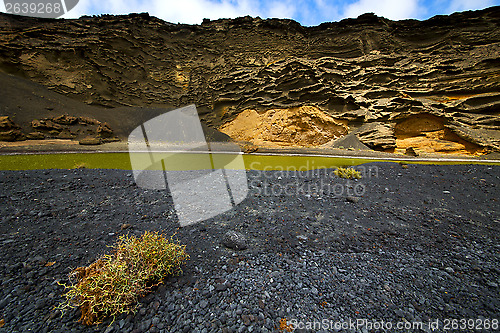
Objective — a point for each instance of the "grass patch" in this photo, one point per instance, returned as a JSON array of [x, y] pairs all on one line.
[[113, 284], [348, 173]]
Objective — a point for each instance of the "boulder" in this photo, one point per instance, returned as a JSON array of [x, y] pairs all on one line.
[[46, 124], [88, 121], [9, 131], [7, 124], [65, 120], [35, 136], [12, 135], [377, 135], [410, 151], [108, 140], [90, 141], [104, 131], [53, 133], [65, 134]]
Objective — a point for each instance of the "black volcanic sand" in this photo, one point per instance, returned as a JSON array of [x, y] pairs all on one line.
[[415, 244]]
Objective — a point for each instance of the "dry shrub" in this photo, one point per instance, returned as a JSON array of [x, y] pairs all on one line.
[[113, 284]]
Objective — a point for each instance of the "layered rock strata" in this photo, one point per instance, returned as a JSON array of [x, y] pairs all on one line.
[[371, 73]]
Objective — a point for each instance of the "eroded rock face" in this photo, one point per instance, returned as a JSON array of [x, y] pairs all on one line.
[[368, 70], [378, 136], [297, 127], [104, 131], [88, 131], [65, 120], [9, 131], [427, 133], [46, 125]]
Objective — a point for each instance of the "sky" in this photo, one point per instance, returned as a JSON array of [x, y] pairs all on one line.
[[307, 12]]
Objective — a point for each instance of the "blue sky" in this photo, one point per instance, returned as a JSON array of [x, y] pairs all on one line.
[[307, 12]]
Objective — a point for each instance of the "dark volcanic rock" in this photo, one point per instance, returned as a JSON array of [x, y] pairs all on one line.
[[234, 240], [349, 141], [420, 244]]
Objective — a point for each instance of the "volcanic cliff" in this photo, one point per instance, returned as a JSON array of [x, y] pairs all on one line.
[[421, 86]]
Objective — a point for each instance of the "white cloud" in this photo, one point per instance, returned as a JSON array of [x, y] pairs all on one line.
[[461, 5], [280, 9], [194, 11], [314, 12], [183, 11], [308, 12], [391, 9], [326, 8]]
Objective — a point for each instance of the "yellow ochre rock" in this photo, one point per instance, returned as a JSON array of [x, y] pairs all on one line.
[[305, 126]]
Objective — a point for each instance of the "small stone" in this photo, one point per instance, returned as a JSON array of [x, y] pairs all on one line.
[[203, 304], [109, 329], [234, 240], [4, 301], [125, 226], [353, 199], [146, 325], [449, 270], [246, 319], [220, 287], [40, 304], [54, 314]]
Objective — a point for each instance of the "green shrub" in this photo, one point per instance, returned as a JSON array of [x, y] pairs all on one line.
[[348, 173], [113, 284]]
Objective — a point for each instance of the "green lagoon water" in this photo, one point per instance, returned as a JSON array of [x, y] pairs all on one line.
[[192, 161]]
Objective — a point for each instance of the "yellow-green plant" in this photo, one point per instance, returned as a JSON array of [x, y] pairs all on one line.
[[113, 284], [348, 173], [81, 165]]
